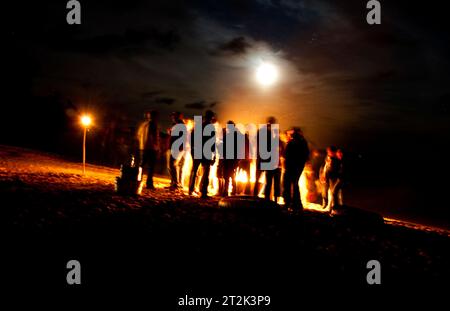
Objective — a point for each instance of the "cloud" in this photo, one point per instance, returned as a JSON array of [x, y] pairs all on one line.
[[154, 97], [150, 94], [236, 46], [213, 104], [130, 40], [165, 100], [199, 105]]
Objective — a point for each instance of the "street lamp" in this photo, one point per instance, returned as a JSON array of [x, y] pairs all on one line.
[[86, 121]]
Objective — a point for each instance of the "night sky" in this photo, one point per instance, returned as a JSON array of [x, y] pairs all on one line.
[[364, 87]]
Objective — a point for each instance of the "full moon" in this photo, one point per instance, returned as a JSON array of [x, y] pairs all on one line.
[[266, 74]]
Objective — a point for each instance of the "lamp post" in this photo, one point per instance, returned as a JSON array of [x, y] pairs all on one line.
[[86, 121]]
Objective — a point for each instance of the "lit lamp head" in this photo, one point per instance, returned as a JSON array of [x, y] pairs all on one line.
[[86, 120]]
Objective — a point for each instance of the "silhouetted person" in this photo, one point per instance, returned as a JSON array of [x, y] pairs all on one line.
[[296, 154], [230, 140], [245, 164], [148, 138], [330, 176], [340, 184], [273, 176], [221, 164], [206, 159], [175, 165]]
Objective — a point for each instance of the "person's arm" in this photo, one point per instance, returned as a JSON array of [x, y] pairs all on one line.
[[139, 136], [213, 148], [192, 143], [341, 169], [322, 174], [158, 138], [138, 132], [185, 136]]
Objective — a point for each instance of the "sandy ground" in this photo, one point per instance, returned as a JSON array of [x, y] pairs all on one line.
[[52, 205]]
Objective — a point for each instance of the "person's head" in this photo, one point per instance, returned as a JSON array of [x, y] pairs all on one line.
[[147, 115], [231, 124], [331, 151], [297, 133], [154, 115], [176, 115], [209, 116], [287, 135], [271, 120]]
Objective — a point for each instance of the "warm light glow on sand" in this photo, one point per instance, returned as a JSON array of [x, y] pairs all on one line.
[[267, 74]]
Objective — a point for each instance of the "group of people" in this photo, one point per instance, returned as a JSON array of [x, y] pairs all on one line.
[[293, 155]]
